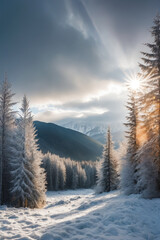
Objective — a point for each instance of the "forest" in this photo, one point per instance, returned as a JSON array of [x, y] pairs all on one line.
[[26, 174]]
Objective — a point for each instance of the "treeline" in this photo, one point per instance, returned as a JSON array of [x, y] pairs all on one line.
[[67, 174]]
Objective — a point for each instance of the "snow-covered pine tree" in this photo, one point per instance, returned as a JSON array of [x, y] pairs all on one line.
[[74, 176], [62, 175], [28, 177], [69, 173], [90, 169], [108, 176], [48, 166], [82, 178], [7, 124], [151, 107], [128, 179]]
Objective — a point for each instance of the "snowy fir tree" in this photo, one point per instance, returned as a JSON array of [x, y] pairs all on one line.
[[141, 173], [108, 176], [128, 176], [28, 177], [81, 176], [7, 124], [49, 171], [74, 177], [90, 169], [151, 115]]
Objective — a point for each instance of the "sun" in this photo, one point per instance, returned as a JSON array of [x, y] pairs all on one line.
[[134, 84]]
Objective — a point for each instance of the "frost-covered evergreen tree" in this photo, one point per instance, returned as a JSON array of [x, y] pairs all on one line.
[[7, 124], [82, 178], [108, 176], [151, 109], [90, 169], [128, 177], [151, 99], [62, 175], [74, 177], [49, 170], [69, 174], [28, 177]]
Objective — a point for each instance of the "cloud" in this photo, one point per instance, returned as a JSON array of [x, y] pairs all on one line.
[[106, 109], [42, 55], [72, 55]]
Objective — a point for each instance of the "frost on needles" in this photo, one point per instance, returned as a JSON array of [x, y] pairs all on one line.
[[141, 173], [22, 179], [7, 127], [28, 178]]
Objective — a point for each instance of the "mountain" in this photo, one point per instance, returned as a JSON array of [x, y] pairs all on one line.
[[84, 126], [96, 130], [66, 142]]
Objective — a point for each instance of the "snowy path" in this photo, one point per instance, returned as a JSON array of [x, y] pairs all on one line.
[[82, 215]]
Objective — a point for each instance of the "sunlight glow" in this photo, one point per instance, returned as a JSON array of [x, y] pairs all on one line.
[[134, 82]]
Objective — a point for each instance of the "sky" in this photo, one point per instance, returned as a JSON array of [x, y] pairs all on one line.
[[71, 57]]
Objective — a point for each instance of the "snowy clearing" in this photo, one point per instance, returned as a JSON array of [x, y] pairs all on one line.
[[80, 214]]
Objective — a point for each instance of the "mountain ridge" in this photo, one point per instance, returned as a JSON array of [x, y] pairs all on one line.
[[96, 130], [66, 142]]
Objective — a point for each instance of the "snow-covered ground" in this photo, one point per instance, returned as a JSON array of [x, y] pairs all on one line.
[[80, 214]]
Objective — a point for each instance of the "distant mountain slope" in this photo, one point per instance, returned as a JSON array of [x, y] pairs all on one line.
[[117, 137], [96, 130], [66, 142]]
